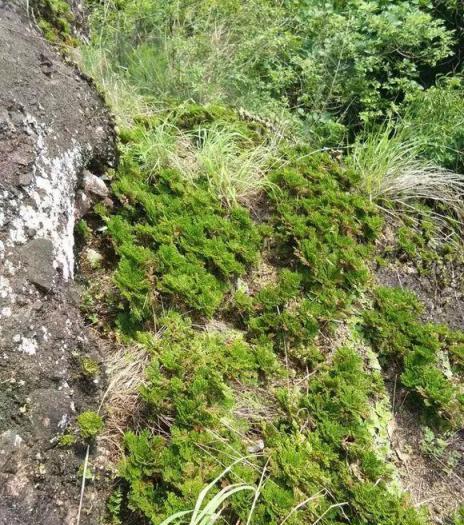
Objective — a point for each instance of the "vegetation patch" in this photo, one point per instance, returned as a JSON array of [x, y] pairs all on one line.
[[175, 240], [424, 352], [90, 424], [317, 453], [261, 403], [322, 234], [55, 19]]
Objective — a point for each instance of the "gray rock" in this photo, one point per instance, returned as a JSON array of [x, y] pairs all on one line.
[[83, 204], [51, 127], [94, 185], [10, 444], [50, 412], [38, 256]]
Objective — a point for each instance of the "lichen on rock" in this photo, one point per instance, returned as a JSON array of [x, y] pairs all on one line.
[[52, 125]]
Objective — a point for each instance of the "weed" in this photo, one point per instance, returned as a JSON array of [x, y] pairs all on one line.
[[114, 506], [90, 424], [212, 509], [432, 444], [67, 440], [435, 115], [234, 171], [436, 447], [458, 518], [83, 230]]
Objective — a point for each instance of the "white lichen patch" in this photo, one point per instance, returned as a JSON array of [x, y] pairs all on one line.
[[46, 209], [28, 345], [5, 312], [45, 333], [5, 288]]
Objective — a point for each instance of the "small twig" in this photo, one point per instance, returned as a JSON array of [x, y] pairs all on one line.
[[307, 500]]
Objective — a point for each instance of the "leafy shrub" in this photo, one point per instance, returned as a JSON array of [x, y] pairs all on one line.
[[435, 116], [337, 63]]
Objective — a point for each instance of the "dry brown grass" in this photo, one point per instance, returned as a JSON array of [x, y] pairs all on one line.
[[121, 403]]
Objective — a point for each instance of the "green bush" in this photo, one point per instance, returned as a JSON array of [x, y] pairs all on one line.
[[435, 115], [337, 63]]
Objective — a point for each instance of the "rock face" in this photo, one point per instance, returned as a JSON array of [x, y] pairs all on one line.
[[53, 125]]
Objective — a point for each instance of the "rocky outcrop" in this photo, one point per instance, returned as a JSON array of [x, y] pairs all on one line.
[[53, 125]]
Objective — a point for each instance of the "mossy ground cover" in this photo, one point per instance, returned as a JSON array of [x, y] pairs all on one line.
[[267, 383], [279, 379], [55, 19], [427, 353]]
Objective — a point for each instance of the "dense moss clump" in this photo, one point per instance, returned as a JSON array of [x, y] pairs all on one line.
[[322, 233], [317, 441], [55, 19], [176, 242], [90, 424], [428, 355]]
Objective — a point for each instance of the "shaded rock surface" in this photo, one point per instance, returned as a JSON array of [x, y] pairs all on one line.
[[53, 125]]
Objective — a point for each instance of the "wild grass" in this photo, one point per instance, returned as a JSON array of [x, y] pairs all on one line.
[[392, 169], [209, 513], [235, 168], [234, 165], [125, 101]]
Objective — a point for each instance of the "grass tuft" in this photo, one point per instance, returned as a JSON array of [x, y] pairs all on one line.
[[392, 169]]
